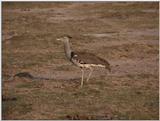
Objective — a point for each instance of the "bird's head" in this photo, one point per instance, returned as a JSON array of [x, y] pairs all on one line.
[[64, 38]]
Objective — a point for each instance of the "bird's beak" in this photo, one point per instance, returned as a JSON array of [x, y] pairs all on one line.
[[58, 39]]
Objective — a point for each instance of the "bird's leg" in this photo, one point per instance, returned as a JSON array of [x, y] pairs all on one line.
[[90, 73], [82, 77]]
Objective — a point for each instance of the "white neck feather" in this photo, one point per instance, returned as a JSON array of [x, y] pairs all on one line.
[[67, 49]]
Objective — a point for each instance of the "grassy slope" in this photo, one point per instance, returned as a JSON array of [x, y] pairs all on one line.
[[34, 49]]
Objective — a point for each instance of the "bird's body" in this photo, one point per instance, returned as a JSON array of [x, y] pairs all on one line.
[[86, 60], [83, 60]]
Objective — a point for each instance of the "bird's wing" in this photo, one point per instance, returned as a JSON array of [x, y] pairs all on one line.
[[89, 58]]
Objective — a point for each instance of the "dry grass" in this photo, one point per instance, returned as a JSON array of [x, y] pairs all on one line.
[[126, 34]]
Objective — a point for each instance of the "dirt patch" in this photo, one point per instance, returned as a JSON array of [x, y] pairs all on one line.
[[46, 84]]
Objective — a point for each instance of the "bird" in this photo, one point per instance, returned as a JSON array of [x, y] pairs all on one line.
[[83, 60]]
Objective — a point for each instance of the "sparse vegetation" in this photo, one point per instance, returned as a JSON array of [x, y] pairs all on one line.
[[126, 34]]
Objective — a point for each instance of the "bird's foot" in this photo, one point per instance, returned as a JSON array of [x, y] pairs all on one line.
[[81, 86]]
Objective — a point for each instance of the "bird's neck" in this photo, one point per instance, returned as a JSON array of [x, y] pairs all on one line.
[[67, 49]]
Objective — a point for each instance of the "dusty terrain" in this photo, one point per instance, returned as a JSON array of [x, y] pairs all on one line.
[[125, 34]]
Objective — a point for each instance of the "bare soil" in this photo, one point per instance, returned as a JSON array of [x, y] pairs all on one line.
[[126, 34]]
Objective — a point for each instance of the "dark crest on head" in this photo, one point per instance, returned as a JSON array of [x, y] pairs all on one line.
[[68, 36]]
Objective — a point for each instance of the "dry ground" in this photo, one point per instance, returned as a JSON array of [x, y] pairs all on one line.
[[126, 34]]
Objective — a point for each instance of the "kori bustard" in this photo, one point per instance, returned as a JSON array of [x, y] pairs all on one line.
[[82, 59]]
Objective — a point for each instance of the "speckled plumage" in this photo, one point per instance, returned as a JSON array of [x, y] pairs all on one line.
[[89, 59]]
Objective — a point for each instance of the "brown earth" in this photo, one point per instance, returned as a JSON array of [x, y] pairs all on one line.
[[126, 34]]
